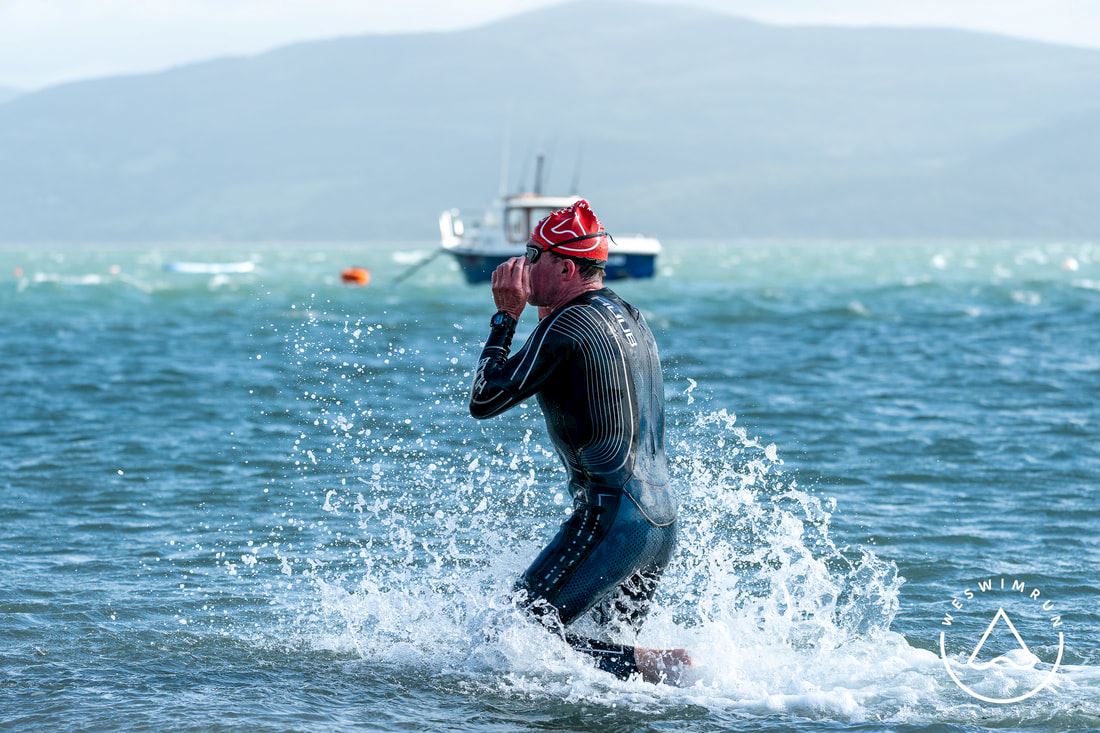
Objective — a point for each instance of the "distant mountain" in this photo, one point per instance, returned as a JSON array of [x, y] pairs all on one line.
[[7, 93], [693, 123]]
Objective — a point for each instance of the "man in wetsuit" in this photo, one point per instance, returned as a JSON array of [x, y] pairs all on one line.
[[593, 364]]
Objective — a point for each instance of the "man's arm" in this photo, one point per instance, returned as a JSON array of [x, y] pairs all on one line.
[[501, 382]]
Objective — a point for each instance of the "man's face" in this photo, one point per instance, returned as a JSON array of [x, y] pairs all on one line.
[[542, 279]]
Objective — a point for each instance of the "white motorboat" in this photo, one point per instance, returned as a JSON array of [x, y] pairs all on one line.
[[502, 232]]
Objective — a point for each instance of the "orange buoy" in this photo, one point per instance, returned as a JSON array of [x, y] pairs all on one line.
[[356, 276]]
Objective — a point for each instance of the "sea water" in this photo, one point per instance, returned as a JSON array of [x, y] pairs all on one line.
[[256, 501]]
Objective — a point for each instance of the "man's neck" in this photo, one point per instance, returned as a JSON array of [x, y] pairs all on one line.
[[573, 292]]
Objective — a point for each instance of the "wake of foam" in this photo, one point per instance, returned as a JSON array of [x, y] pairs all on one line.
[[778, 618]]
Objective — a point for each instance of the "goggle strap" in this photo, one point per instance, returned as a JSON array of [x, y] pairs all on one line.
[[547, 247], [583, 237], [586, 260]]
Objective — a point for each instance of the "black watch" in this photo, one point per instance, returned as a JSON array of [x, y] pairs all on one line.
[[502, 318]]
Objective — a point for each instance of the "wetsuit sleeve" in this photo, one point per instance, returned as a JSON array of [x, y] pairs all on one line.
[[502, 382]]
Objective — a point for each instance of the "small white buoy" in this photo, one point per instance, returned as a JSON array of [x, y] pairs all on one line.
[[1070, 264]]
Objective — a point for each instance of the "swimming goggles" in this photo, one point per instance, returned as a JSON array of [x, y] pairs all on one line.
[[534, 251]]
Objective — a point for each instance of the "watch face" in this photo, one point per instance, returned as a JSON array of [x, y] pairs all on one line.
[[499, 319]]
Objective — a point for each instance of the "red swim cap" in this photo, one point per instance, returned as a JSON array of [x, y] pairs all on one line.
[[572, 232]]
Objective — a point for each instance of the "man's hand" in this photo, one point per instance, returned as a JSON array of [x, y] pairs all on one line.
[[510, 286]]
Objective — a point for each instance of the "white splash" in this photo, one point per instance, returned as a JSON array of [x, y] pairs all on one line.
[[411, 560]]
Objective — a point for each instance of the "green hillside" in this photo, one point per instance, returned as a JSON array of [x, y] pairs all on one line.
[[693, 123]]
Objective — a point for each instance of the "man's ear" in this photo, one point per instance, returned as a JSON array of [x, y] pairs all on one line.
[[568, 267]]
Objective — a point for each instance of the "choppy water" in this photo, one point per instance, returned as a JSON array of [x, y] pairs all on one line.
[[256, 501]]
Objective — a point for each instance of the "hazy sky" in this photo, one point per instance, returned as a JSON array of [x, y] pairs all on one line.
[[48, 41]]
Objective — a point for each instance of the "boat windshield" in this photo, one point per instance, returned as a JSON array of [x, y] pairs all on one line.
[[520, 220], [515, 225]]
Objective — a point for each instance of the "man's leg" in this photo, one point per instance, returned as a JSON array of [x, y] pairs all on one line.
[[626, 610], [620, 660], [627, 607], [596, 553]]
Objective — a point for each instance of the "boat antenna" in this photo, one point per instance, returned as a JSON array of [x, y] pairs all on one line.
[[522, 173], [549, 159], [538, 173], [506, 149], [575, 186]]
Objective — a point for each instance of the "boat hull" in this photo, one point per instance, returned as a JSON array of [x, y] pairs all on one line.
[[478, 268]]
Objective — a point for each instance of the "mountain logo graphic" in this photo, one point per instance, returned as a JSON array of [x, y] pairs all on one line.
[[1012, 659], [999, 616]]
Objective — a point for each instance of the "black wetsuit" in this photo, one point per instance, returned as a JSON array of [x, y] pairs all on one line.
[[594, 366]]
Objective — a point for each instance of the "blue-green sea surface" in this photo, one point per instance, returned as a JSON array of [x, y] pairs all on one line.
[[256, 501]]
